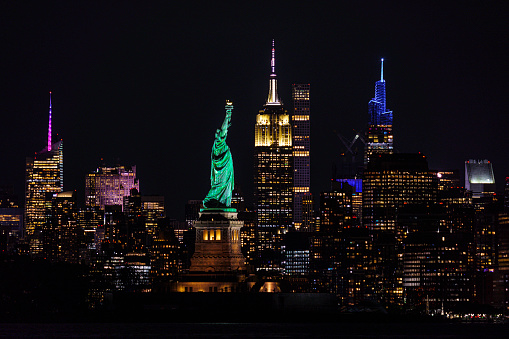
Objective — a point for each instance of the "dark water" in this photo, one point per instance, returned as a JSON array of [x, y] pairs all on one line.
[[253, 330]]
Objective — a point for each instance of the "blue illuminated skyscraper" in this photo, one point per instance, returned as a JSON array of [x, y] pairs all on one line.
[[379, 138]]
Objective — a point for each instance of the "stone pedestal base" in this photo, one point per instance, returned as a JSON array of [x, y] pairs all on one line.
[[217, 264]]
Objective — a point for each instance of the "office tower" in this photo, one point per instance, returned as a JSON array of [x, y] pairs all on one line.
[[297, 255], [308, 212], [153, 210], [480, 181], [109, 185], [301, 148], [273, 176], [501, 293], [435, 270], [335, 216], [11, 220], [11, 227], [356, 197], [341, 250], [134, 275], [379, 138], [135, 219], [447, 180], [44, 174], [164, 259], [61, 234], [392, 181], [90, 223], [479, 178]]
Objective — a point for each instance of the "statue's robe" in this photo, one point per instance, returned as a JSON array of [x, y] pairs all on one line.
[[221, 174]]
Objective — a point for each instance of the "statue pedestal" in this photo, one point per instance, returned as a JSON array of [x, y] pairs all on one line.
[[217, 264], [217, 243]]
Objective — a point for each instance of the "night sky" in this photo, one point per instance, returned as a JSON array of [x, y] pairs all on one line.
[[145, 84]]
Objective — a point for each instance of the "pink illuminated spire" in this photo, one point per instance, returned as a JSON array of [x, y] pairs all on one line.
[[49, 125]]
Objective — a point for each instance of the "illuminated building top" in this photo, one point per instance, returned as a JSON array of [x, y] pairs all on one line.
[[377, 106], [479, 178]]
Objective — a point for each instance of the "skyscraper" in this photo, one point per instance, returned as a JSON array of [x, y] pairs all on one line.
[[391, 182], [379, 134], [60, 239], [301, 148], [273, 177], [479, 178], [44, 174], [109, 185]]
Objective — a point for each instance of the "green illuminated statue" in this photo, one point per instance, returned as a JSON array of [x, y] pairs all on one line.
[[221, 171]]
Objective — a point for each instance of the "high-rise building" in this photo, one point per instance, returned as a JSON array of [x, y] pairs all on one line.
[[391, 182], [379, 138], [153, 209], [11, 220], [273, 176], [44, 174], [109, 185], [61, 238], [435, 270], [341, 249], [301, 149], [479, 178]]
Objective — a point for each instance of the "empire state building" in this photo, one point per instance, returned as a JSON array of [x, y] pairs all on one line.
[[273, 176]]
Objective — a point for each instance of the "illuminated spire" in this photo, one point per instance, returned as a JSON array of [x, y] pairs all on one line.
[[273, 98], [382, 71], [273, 60], [49, 125]]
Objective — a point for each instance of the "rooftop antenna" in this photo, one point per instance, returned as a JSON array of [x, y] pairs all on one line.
[[49, 125], [273, 60]]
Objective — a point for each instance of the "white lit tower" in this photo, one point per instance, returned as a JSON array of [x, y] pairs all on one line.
[[273, 177], [44, 174]]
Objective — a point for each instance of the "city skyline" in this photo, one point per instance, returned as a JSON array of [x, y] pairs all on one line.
[[124, 87]]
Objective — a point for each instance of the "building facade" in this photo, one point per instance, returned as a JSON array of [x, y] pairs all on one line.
[[109, 185], [273, 176], [301, 153], [479, 178]]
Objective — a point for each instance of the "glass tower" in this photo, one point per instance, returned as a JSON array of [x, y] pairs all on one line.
[[44, 174], [273, 176], [379, 138], [301, 148]]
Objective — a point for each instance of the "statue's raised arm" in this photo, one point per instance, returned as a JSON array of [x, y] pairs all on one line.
[[221, 171]]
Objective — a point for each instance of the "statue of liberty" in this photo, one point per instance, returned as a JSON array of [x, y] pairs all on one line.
[[221, 170]]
